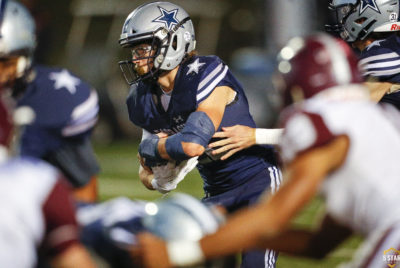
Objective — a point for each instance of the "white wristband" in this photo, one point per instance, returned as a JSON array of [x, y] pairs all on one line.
[[184, 253], [268, 136]]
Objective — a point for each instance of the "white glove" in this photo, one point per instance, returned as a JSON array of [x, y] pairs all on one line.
[[167, 177]]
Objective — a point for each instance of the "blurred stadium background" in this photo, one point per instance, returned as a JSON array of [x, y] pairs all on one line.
[[82, 35]]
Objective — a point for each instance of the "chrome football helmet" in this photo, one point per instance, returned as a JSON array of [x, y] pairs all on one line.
[[17, 35], [307, 66], [167, 28], [358, 18], [181, 217]]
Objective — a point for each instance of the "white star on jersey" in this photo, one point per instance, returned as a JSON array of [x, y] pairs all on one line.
[[375, 43], [65, 79], [194, 67]]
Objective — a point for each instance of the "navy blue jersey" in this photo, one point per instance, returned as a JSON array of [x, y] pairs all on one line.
[[381, 60], [64, 106], [65, 110], [196, 79]]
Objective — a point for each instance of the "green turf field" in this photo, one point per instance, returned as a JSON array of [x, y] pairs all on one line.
[[119, 178]]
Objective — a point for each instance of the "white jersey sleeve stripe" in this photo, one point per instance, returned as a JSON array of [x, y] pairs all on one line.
[[209, 77], [273, 185], [378, 57], [86, 117], [382, 73], [77, 129], [83, 117], [384, 64], [90, 104], [205, 92]]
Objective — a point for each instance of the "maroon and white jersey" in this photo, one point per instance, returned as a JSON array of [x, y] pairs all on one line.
[[364, 192], [35, 212]]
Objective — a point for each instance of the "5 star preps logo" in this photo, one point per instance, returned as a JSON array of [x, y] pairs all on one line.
[[391, 257], [168, 17]]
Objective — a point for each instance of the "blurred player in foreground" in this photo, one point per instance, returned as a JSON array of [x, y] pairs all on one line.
[[37, 210], [111, 227], [61, 109], [337, 143], [187, 97]]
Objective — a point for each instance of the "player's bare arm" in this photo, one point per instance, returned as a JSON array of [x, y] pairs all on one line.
[[152, 251], [378, 89], [74, 256], [233, 139], [271, 217], [238, 137], [311, 243]]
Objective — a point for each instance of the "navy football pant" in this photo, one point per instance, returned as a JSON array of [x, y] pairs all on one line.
[[243, 196]]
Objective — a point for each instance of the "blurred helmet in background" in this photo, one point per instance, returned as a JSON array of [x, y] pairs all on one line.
[[167, 28], [312, 64], [17, 36]]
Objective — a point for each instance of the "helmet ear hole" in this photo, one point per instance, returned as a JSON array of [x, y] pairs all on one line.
[[361, 20], [175, 42]]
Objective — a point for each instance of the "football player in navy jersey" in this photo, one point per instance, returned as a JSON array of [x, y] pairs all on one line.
[[330, 129], [372, 28], [62, 108], [185, 98]]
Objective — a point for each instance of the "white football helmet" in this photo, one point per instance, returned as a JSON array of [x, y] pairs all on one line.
[[181, 217], [358, 18], [17, 34], [167, 28]]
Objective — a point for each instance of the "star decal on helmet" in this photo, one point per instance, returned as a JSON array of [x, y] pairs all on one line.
[[368, 4], [167, 17]]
